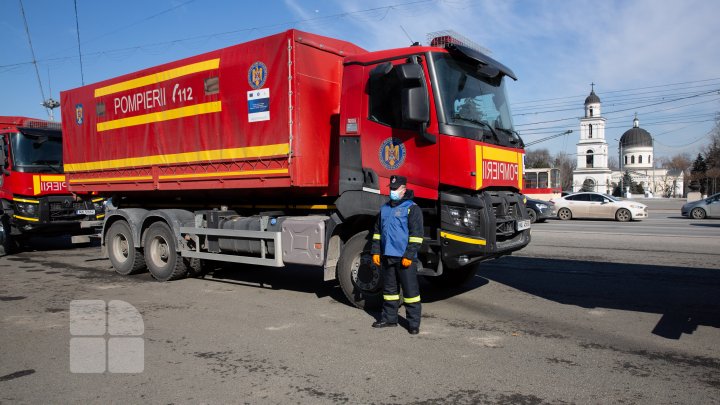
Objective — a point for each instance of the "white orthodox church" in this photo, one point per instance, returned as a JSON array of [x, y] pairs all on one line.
[[636, 157]]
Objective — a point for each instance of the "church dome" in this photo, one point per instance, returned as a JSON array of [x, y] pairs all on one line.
[[636, 136], [592, 98]]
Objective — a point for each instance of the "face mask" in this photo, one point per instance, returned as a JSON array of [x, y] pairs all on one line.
[[395, 195]]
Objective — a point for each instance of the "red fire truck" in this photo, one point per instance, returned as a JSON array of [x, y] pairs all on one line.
[[279, 151], [33, 191]]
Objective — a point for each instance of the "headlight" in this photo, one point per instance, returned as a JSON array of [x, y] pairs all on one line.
[[637, 206], [542, 206], [466, 217], [27, 209]]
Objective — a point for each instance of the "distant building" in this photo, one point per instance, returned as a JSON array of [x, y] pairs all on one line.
[[592, 150], [636, 157]]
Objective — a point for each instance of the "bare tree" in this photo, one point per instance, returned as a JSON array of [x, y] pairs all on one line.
[[537, 158], [567, 165], [681, 162], [713, 180], [613, 163], [712, 150]]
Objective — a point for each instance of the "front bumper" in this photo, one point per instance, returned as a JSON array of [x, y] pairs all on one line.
[[496, 227], [546, 213], [638, 213], [53, 215]]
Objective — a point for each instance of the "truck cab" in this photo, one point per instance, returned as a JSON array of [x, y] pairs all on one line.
[[438, 115], [33, 190]]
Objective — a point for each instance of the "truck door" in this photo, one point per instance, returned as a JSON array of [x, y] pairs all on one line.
[[398, 109]]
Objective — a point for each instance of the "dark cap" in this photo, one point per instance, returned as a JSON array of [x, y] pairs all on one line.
[[397, 181]]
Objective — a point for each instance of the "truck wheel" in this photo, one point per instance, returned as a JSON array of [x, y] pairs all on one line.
[[359, 277], [126, 260], [452, 278], [8, 244], [163, 260], [196, 268]]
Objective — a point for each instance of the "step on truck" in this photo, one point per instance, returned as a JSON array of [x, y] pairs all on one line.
[[33, 188], [279, 151]]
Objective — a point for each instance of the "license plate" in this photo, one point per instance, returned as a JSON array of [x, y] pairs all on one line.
[[85, 212], [524, 224]]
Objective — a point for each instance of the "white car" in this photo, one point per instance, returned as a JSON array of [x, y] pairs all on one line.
[[596, 205]]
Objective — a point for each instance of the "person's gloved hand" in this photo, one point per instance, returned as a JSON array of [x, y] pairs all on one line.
[[376, 260], [406, 262]]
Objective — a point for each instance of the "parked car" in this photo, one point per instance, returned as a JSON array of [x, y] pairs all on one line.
[[596, 205], [539, 210], [700, 209]]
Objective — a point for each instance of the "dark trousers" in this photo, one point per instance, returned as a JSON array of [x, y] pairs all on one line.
[[393, 272]]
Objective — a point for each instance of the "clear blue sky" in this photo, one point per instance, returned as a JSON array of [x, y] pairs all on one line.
[[659, 59]]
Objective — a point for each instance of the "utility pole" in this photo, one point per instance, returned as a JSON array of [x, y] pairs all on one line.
[[51, 104]]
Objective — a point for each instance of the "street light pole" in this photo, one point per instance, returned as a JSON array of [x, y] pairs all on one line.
[[620, 159]]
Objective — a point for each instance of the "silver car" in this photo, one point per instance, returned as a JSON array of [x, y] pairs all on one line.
[[708, 207], [596, 205]]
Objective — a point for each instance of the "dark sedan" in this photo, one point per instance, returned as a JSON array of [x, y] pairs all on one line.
[[539, 210]]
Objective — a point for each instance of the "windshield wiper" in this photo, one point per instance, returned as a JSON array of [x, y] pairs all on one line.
[[49, 164], [481, 123], [515, 136]]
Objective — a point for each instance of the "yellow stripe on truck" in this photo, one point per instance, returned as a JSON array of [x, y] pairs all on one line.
[[187, 157], [158, 77], [222, 174], [159, 116], [464, 239]]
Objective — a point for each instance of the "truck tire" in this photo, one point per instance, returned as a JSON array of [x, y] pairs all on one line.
[[8, 244], [163, 260], [196, 268], [452, 278], [125, 258], [359, 278]]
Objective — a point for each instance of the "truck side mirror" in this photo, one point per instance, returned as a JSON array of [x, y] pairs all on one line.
[[414, 97], [3, 156]]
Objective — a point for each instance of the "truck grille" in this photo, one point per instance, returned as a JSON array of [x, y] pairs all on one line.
[[65, 211], [505, 209]]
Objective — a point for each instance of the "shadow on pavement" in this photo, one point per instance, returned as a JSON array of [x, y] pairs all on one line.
[[47, 243], [685, 297], [310, 280], [715, 225]]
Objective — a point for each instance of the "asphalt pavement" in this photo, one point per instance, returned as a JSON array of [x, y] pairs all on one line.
[[590, 312]]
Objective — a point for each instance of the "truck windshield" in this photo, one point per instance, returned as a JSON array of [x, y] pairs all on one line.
[[472, 100], [36, 153]]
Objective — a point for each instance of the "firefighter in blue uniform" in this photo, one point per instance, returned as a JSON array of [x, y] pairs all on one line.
[[396, 240]]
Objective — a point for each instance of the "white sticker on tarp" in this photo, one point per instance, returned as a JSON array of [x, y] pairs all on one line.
[[258, 105]]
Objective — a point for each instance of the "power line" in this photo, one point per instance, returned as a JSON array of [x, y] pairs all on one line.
[[394, 7], [618, 101], [619, 91], [705, 93], [32, 51], [553, 129], [77, 29]]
